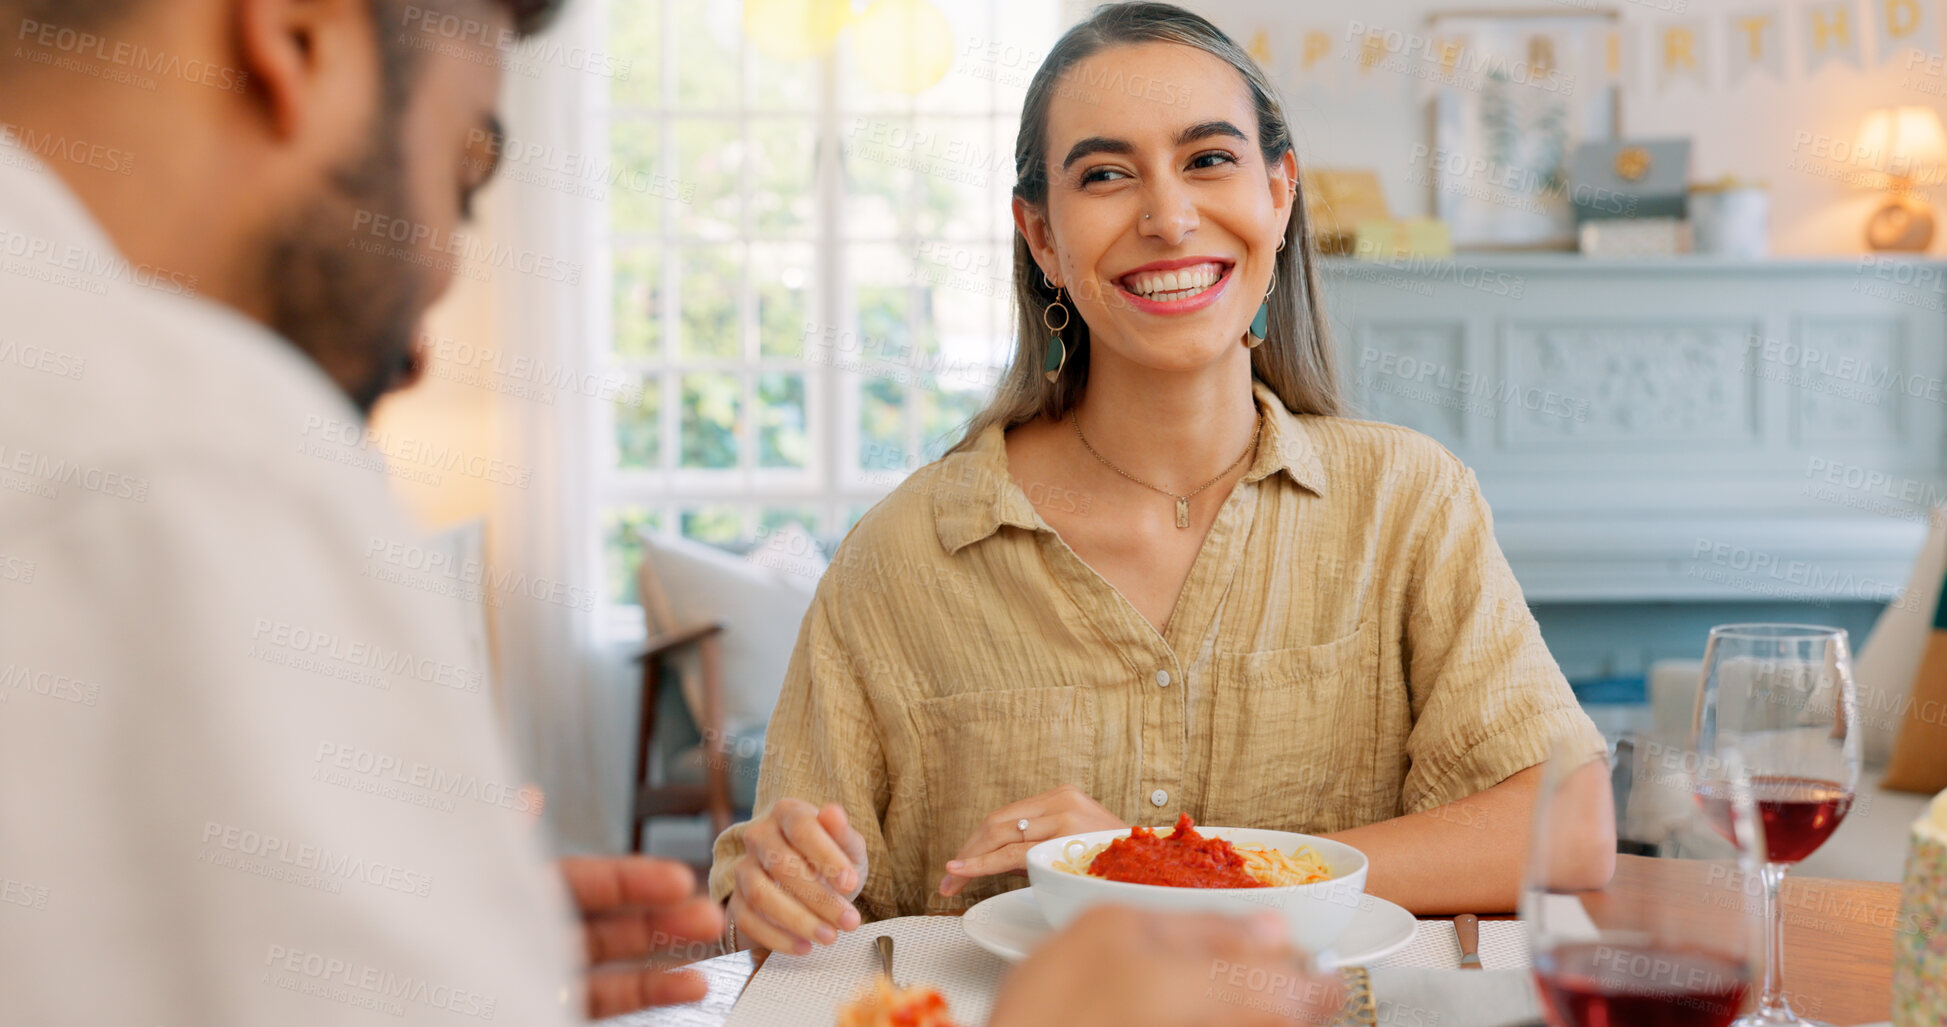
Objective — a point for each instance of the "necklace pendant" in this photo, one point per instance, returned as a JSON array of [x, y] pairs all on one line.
[[1183, 511]]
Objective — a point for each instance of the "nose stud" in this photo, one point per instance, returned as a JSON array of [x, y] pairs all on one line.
[[1145, 217]]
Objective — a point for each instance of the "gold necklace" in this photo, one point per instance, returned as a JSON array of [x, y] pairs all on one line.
[[1182, 501]]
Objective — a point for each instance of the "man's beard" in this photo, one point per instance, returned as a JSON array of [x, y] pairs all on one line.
[[340, 296]]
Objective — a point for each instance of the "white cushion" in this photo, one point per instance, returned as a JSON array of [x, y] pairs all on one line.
[[760, 607], [1673, 696], [1888, 659]]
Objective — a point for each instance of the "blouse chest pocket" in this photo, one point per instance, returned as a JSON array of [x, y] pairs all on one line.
[[983, 750], [1299, 737]]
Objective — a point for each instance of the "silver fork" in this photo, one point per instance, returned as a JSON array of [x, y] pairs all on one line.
[[885, 957]]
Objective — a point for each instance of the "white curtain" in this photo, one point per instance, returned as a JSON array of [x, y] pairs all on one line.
[[551, 656]]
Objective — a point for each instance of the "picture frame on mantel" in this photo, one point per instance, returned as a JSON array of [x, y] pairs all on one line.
[[1513, 92]]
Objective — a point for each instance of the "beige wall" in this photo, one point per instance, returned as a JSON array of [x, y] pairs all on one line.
[[1748, 130], [442, 412]]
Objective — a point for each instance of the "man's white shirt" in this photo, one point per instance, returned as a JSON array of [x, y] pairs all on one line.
[[250, 771]]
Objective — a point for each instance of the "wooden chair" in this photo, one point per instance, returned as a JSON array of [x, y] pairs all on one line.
[[668, 638]]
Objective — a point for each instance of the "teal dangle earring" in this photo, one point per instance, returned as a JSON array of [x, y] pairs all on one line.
[[1057, 357], [1261, 324]]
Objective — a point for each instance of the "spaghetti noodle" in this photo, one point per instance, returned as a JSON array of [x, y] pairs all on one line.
[[1186, 859]]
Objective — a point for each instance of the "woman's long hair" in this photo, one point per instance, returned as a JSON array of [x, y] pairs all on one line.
[[1295, 360]]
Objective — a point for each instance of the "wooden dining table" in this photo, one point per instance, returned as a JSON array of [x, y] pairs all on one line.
[[1838, 941]]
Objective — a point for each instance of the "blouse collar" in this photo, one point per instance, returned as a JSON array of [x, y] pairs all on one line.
[[973, 495]]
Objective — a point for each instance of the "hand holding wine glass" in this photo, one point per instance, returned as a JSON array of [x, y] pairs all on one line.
[[1782, 695]]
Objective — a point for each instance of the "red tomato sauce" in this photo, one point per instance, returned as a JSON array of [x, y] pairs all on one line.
[[1181, 859], [922, 1009]]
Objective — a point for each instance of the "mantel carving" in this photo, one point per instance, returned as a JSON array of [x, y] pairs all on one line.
[[1634, 423]]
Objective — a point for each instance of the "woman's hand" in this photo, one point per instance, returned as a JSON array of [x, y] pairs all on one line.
[[1121, 967], [801, 869], [1001, 845]]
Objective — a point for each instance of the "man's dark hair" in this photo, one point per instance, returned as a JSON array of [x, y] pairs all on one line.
[[530, 16], [398, 57]]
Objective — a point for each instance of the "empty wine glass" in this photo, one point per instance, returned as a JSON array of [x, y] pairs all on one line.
[[1783, 696], [1669, 959]]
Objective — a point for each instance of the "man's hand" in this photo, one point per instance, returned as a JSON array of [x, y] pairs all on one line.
[[634, 908], [1121, 967]]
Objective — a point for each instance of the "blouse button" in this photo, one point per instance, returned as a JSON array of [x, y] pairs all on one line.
[[1163, 678], [1159, 797]]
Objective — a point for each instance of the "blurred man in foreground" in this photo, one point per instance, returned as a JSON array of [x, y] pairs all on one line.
[[243, 778], [246, 776]]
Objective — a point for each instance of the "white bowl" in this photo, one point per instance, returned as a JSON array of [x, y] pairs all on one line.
[[1316, 912]]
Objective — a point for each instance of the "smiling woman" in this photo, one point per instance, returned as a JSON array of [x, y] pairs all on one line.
[[1261, 614]]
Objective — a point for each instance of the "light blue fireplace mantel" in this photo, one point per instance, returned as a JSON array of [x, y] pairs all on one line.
[[1685, 429]]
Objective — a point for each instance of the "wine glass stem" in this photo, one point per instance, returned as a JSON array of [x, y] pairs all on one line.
[[1773, 1006]]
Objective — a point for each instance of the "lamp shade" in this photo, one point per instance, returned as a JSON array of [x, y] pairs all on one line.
[[1901, 145]]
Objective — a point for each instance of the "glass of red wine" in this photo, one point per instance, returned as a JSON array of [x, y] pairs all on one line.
[[1680, 962], [1782, 695]]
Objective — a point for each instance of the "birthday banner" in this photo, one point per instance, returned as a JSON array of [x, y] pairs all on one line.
[[1755, 41], [1771, 43]]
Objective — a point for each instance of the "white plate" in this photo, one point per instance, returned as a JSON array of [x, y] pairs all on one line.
[[1010, 925]]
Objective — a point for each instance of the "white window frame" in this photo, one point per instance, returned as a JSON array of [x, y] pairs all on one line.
[[832, 483]]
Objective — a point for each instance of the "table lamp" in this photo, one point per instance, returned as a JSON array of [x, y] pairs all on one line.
[[1907, 149]]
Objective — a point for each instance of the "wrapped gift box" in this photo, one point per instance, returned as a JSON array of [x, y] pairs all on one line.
[[1337, 202], [1634, 237], [1391, 239], [1920, 942], [1644, 178]]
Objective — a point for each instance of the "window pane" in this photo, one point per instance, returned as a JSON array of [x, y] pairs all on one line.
[[707, 68], [882, 425], [782, 163], [638, 304], [1023, 32], [636, 184], [710, 287], [622, 547], [711, 407], [720, 525], [783, 276], [963, 304], [966, 178], [883, 297], [944, 414], [894, 52], [967, 85], [711, 156], [638, 427], [782, 438], [780, 84], [725, 300], [772, 519], [926, 326], [635, 36], [878, 185]]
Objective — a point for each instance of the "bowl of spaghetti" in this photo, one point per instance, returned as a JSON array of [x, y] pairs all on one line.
[[1315, 883]]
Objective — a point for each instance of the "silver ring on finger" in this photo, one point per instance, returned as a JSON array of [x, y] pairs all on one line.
[[1022, 824]]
